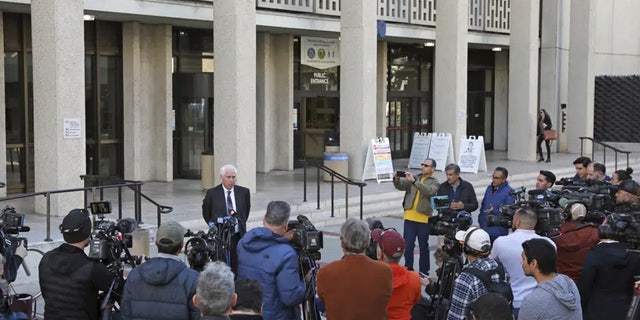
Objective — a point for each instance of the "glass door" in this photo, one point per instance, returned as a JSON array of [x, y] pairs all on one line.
[[191, 135], [403, 120]]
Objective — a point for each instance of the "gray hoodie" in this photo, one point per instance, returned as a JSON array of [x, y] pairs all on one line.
[[555, 299]]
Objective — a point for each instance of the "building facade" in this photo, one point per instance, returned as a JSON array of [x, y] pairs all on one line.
[[167, 81]]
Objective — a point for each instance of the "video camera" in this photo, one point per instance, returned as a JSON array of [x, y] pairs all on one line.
[[549, 217], [622, 227], [307, 240], [12, 222], [111, 240], [201, 248]]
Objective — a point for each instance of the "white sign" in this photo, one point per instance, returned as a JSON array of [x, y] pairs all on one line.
[[72, 128], [320, 53], [441, 150], [471, 156], [378, 164], [419, 149]]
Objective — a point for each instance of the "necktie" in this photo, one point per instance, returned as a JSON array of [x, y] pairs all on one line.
[[229, 202]]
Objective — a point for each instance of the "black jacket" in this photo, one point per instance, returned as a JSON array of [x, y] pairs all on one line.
[[464, 193], [546, 124], [214, 205], [70, 281]]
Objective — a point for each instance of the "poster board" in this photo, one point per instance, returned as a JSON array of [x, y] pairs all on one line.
[[419, 149], [441, 150], [471, 156], [378, 164]]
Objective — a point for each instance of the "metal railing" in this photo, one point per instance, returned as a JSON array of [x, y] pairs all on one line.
[[347, 182], [133, 185], [605, 146]]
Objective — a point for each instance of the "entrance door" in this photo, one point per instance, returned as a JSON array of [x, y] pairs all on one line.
[[403, 120], [480, 105]]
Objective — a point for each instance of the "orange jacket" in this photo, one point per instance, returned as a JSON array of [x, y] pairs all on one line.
[[406, 292]]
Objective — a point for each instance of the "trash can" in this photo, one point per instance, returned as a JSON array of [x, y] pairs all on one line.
[[207, 173], [336, 161]]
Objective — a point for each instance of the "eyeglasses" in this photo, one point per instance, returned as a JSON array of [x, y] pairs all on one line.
[[497, 178], [426, 165]]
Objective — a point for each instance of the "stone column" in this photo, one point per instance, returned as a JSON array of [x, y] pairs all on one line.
[[274, 102], [381, 98], [450, 86], [581, 74], [234, 120], [554, 62], [358, 57], [147, 98], [3, 118], [58, 94], [501, 101], [523, 80]]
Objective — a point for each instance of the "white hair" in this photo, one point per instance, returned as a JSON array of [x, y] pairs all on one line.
[[228, 167], [215, 289]]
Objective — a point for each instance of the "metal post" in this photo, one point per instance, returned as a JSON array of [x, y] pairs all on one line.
[[318, 189], [119, 203], [360, 202], [101, 194], [159, 213], [346, 200], [332, 197], [615, 164], [304, 179], [581, 146], [48, 238], [138, 203], [604, 156]]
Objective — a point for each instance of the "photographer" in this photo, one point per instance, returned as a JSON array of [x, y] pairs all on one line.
[[508, 251], [265, 255], [162, 287], [69, 280], [627, 197], [461, 193], [417, 210], [575, 240]]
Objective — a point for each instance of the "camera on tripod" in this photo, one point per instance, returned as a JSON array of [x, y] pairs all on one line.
[[111, 239], [622, 227], [307, 240], [201, 248], [447, 222], [549, 218]]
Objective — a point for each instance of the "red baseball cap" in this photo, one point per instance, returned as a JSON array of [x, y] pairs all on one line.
[[390, 241]]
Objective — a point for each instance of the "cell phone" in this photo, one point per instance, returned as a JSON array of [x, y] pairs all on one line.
[[401, 174]]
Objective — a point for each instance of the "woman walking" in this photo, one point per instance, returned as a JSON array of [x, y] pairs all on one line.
[[544, 123]]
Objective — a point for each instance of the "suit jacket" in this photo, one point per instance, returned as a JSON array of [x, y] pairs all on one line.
[[214, 205]]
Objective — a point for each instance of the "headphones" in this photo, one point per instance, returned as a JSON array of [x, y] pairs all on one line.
[[468, 250]]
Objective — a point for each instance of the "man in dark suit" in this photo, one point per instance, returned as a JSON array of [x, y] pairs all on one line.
[[228, 199]]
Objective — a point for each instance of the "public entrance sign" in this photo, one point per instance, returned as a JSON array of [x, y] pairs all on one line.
[[378, 164]]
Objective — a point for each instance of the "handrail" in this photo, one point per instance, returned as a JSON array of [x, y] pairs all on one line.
[[334, 174], [604, 161], [161, 208]]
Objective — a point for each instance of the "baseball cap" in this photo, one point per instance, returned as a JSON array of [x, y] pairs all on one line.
[[390, 241], [170, 234], [629, 186], [475, 238], [578, 211], [76, 226]]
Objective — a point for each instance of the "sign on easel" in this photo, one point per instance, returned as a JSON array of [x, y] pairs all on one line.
[[471, 156], [419, 149], [441, 150], [378, 164]]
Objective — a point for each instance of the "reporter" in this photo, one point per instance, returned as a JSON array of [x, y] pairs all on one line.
[[69, 280], [265, 255]]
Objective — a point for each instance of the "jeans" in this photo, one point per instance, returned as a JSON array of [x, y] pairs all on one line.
[[420, 230]]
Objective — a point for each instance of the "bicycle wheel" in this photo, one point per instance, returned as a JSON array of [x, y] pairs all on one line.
[[28, 280]]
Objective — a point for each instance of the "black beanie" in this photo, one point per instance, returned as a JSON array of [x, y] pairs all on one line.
[[76, 226]]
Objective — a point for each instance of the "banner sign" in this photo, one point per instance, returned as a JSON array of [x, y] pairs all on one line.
[[320, 53]]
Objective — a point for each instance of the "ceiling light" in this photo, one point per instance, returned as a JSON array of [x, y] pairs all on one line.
[[89, 17], [430, 44], [496, 49]]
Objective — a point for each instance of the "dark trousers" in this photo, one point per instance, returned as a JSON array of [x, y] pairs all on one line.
[[547, 143], [412, 230]]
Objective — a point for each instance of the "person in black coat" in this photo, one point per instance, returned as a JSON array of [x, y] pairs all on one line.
[[228, 199], [606, 283], [461, 193], [544, 123]]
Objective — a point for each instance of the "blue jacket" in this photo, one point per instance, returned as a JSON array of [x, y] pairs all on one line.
[[497, 199], [161, 288], [270, 259], [464, 192]]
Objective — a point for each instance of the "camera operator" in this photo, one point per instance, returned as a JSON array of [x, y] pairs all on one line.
[[356, 286], [627, 197], [460, 192], [406, 283], [417, 210], [545, 180], [162, 287], [508, 251], [468, 287], [265, 255], [606, 284], [498, 193], [69, 280], [575, 240], [597, 171], [580, 164]]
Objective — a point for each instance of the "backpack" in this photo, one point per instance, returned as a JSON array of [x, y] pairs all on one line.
[[502, 288]]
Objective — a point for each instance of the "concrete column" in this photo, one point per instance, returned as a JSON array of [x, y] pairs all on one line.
[[57, 31], [554, 62], [274, 102], [523, 80], [147, 98], [450, 86], [381, 98], [234, 43], [501, 100], [357, 82], [581, 74], [3, 118]]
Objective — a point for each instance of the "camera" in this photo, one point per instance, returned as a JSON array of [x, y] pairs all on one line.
[[447, 222], [201, 248], [440, 202], [622, 227], [111, 240], [12, 222], [549, 218], [307, 240], [401, 174]]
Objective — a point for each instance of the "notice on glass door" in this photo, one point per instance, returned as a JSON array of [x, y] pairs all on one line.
[[72, 128]]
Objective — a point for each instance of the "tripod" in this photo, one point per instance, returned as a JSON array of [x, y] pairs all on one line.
[[447, 274], [309, 308]]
